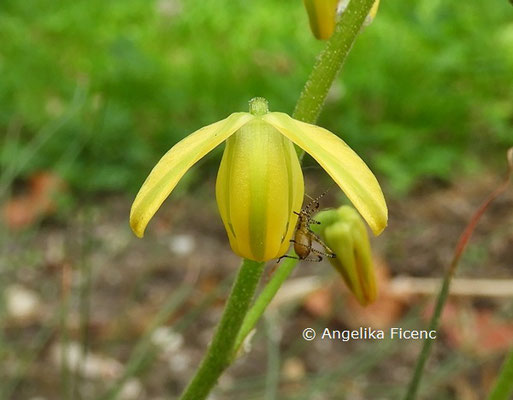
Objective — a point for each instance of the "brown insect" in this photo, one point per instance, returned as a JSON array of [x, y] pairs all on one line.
[[305, 238]]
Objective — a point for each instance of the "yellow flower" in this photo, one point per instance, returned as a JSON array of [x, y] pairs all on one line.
[[344, 232], [260, 184]]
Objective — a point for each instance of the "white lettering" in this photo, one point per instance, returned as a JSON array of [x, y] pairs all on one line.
[[411, 334], [327, 333]]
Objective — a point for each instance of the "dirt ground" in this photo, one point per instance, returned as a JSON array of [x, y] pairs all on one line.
[[144, 310]]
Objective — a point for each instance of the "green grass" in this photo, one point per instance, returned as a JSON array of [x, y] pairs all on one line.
[[105, 88]]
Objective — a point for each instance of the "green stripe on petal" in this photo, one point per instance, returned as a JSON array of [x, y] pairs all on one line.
[[175, 163], [258, 187], [258, 149], [345, 166]]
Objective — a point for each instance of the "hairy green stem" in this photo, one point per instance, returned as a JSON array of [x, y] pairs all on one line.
[[263, 300], [503, 388], [219, 353], [330, 60]]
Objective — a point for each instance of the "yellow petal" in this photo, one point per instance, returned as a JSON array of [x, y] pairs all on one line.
[[175, 163], [259, 186], [345, 166]]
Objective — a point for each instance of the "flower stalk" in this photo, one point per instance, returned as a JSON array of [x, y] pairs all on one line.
[[330, 60], [233, 329], [264, 298], [219, 353]]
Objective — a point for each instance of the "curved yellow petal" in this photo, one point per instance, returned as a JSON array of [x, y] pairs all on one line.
[[175, 163], [345, 166]]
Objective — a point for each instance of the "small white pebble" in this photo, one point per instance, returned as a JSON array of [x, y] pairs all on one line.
[[182, 245], [131, 390], [179, 362], [293, 369], [93, 366], [167, 339], [21, 303]]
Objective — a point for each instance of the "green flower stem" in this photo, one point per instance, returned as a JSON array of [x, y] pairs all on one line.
[[229, 335], [219, 353], [308, 108], [330, 61], [503, 389], [280, 275]]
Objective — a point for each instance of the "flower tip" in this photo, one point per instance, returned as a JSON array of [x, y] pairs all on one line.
[[381, 222], [137, 229], [377, 229], [137, 223], [364, 301], [258, 106]]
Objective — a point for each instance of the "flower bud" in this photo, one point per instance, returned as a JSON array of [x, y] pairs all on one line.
[[322, 16], [344, 232]]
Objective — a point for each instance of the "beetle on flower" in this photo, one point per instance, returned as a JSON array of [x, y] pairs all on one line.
[[260, 183]]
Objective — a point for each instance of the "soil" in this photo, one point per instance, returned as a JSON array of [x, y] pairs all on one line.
[[98, 286]]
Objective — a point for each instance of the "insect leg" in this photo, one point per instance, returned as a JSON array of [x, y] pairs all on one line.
[[318, 259], [287, 256], [329, 253], [321, 253], [314, 203]]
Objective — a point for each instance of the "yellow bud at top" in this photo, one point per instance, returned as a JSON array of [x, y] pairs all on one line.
[[322, 17]]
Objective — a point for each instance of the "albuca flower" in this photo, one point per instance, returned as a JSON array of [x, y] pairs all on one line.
[[260, 184], [345, 233]]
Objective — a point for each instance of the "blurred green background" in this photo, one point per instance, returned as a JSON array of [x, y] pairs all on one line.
[[98, 90]]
